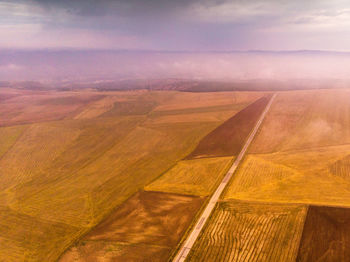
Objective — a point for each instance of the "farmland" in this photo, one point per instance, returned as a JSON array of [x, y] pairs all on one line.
[[305, 120], [244, 231], [296, 171], [122, 176], [69, 159], [193, 177], [139, 229], [326, 235], [305, 160], [228, 138]]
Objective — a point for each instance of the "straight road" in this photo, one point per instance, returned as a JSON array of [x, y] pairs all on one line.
[[185, 249]]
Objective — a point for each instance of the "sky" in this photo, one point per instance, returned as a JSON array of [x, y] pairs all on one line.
[[171, 25]]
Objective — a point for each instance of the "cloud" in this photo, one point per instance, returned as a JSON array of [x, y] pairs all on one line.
[[181, 24], [11, 67]]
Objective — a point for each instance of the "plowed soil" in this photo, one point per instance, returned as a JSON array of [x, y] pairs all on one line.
[[228, 138], [326, 235]]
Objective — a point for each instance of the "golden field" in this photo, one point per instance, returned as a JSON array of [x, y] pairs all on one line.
[[305, 160], [305, 119], [298, 164], [139, 229], [108, 176], [294, 177], [193, 177], [247, 231], [68, 159]]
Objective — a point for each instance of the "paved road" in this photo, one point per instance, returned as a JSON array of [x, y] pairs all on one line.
[[185, 249]]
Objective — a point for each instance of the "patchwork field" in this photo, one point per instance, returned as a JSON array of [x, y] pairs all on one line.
[[300, 157], [246, 231], [139, 229], [120, 176], [68, 159], [302, 163]]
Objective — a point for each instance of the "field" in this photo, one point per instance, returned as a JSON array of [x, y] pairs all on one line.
[[193, 177], [69, 159], [305, 161], [326, 235], [138, 229], [305, 120], [294, 177], [298, 160], [120, 176], [245, 231], [35, 106], [229, 138]]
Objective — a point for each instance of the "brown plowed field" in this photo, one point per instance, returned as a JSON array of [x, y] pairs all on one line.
[[144, 228], [326, 235], [228, 138]]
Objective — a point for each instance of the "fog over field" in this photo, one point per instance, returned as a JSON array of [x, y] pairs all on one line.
[[174, 130], [86, 65]]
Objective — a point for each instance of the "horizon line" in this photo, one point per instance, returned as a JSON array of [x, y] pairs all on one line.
[[172, 51]]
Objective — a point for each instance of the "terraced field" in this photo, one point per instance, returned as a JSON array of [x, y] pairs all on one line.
[[245, 231], [65, 169]]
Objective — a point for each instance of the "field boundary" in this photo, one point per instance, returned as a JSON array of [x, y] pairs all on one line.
[[201, 222], [199, 212]]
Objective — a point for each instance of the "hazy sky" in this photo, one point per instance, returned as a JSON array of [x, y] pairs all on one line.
[[176, 24]]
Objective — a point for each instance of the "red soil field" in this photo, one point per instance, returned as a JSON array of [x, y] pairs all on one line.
[[326, 235], [228, 138]]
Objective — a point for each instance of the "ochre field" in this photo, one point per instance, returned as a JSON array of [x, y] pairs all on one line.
[[122, 176], [302, 162], [139, 230], [245, 231], [305, 120], [71, 159], [193, 177], [299, 158]]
